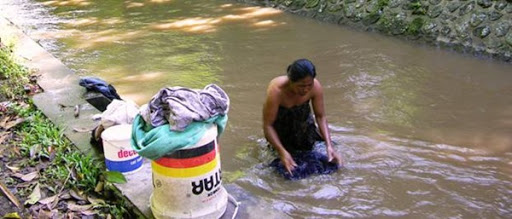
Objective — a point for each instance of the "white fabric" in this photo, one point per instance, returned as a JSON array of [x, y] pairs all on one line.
[[119, 112]]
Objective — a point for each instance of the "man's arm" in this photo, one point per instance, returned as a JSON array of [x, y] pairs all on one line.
[[321, 120], [270, 109]]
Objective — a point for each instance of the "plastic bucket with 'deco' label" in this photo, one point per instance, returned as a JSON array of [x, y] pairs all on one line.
[[119, 155]]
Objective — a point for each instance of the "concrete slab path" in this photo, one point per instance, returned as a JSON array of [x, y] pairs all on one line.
[[60, 86]]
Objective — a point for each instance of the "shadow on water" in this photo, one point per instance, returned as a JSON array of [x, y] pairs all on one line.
[[423, 131]]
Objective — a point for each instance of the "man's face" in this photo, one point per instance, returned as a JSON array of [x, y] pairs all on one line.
[[303, 86]]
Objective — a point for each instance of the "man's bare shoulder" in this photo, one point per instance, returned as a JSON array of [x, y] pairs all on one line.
[[276, 84]]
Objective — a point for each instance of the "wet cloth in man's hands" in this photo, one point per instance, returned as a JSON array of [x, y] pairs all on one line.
[[308, 163]]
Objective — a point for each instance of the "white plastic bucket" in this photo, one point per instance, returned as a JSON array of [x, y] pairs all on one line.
[[187, 183], [119, 155]]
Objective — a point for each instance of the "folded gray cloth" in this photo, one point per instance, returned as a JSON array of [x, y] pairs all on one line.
[[181, 106]]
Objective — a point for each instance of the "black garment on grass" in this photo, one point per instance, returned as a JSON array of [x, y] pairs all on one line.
[[298, 133], [96, 84]]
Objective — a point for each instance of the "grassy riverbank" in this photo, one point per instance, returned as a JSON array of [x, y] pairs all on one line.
[[43, 175]]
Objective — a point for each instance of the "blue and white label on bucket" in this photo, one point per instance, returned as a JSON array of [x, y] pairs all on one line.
[[125, 165], [122, 159]]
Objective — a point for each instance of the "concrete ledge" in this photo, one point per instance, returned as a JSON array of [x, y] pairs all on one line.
[[59, 84], [61, 87]]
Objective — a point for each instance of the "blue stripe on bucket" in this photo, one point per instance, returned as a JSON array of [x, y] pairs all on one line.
[[125, 165]]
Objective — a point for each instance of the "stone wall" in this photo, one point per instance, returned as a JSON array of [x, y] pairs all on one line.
[[480, 27]]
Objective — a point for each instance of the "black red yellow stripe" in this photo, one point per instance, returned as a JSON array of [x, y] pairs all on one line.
[[188, 162]]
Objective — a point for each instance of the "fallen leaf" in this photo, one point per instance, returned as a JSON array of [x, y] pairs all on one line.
[[95, 201], [43, 214], [22, 104], [76, 195], [54, 203], [99, 187], [13, 215], [34, 150], [47, 200], [114, 177], [42, 165], [9, 195], [81, 130], [74, 207], [77, 111], [3, 137], [12, 168], [4, 105], [14, 123], [65, 195], [16, 150], [70, 215], [88, 212], [30, 176], [34, 196], [17, 175], [4, 120], [24, 185]]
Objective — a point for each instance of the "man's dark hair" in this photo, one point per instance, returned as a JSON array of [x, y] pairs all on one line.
[[300, 69]]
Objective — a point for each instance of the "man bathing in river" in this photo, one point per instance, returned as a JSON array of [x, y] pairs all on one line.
[[289, 125]]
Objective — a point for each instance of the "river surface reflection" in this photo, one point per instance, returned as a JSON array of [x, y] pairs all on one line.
[[424, 132]]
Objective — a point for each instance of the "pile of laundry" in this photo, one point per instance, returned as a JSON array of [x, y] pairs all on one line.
[[174, 118], [178, 117]]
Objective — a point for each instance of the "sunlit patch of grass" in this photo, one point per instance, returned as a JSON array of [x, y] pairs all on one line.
[[40, 138], [40, 132], [12, 75], [88, 170], [37, 142]]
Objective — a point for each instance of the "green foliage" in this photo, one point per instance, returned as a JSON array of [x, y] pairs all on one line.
[[417, 8], [312, 3], [12, 75], [88, 170], [415, 26], [382, 3], [114, 177], [39, 135], [43, 143]]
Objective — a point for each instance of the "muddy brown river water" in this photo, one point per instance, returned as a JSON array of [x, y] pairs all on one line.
[[424, 132]]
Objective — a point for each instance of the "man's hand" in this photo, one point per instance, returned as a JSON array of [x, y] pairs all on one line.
[[288, 162], [332, 156]]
